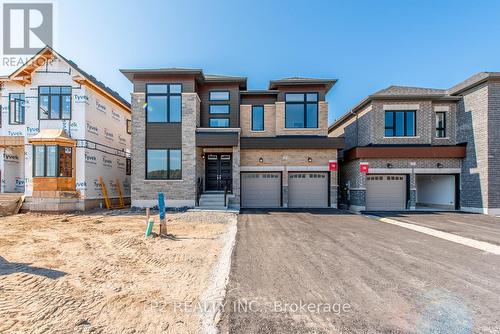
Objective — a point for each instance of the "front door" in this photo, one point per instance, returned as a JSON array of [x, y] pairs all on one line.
[[219, 171]]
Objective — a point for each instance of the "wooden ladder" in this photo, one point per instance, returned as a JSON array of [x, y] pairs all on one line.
[[107, 201]]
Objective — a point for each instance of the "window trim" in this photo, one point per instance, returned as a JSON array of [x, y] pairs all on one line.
[[219, 91], [219, 113], [263, 118], [60, 103], [304, 103], [393, 127], [228, 122], [10, 110], [444, 124], [168, 164], [167, 95], [58, 167]]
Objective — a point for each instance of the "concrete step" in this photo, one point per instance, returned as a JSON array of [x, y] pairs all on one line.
[[211, 208]]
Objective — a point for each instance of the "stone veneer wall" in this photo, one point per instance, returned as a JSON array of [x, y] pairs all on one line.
[[177, 192], [269, 121], [322, 129]]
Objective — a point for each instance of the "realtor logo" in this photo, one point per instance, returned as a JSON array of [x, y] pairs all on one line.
[[27, 27]]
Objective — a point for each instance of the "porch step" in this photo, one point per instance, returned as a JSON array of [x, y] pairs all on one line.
[[212, 200]]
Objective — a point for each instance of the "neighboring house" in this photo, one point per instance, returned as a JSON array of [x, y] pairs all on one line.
[[197, 137], [61, 130], [418, 148]]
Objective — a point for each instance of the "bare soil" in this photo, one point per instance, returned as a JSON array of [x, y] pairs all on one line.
[[97, 273]]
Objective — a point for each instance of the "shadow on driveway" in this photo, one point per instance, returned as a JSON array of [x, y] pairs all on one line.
[[7, 268]]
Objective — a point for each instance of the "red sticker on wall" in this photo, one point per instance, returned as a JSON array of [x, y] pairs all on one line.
[[363, 167], [332, 166]]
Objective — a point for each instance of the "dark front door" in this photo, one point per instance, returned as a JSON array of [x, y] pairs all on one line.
[[219, 171]]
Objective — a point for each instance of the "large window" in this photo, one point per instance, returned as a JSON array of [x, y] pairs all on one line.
[[219, 96], [218, 109], [441, 124], [163, 164], [400, 123], [54, 102], [129, 126], [257, 118], [16, 108], [301, 110], [163, 103], [52, 161], [218, 122]]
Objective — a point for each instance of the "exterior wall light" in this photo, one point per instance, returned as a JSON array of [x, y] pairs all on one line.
[[261, 159], [203, 156], [309, 159], [389, 165], [439, 165]]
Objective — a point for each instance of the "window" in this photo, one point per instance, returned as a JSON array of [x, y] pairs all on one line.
[[400, 123], [16, 108], [54, 102], [163, 164], [52, 161], [128, 166], [129, 126], [219, 96], [301, 110], [218, 122], [219, 109], [257, 118], [163, 103], [441, 124]]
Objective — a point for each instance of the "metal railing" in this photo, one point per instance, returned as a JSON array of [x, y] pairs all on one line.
[[199, 190]]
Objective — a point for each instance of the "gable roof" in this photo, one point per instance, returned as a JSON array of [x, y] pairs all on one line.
[[23, 75], [409, 91], [473, 81]]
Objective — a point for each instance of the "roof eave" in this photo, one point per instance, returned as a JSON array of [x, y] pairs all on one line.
[[328, 83]]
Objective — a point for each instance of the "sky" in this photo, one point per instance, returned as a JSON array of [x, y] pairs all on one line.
[[366, 45]]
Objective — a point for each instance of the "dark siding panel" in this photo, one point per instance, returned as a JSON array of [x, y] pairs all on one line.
[[223, 139], [302, 89], [291, 142], [188, 83], [234, 102], [163, 135], [258, 99]]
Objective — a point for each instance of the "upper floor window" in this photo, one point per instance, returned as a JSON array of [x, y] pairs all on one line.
[[163, 103], [301, 110], [219, 96], [163, 164], [400, 123], [54, 102], [129, 126], [52, 161], [257, 118], [16, 108], [218, 109], [218, 122], [441, 124]]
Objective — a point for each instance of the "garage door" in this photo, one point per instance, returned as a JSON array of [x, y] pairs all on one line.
[[307, 190], [260, 190], [386, 192]]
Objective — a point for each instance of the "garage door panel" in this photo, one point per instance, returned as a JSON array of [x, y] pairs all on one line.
[[261, 190], [308, 190], [386, 192]]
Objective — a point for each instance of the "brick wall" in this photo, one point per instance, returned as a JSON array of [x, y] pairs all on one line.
[[494, 145], [322, 129], [269, 121]]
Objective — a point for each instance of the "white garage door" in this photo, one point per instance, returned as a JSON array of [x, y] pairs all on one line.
[[385, 192], [260, 190], [307, 190]]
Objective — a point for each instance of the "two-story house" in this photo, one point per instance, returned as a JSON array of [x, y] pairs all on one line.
[[198, 138], [413, 148], [60, 131]]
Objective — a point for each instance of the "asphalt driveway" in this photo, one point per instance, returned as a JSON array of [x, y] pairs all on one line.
[[324, 272], [470, 225]]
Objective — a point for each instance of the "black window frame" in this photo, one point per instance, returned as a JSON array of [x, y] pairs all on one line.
[[443, 128], [168, 163], [228, 122], [219, 113], [167, 95], [304, 102], [10, 108], [128, 166], [405, 128], [58, 167], [49, 94], [128, 126], [263, 111], [219, 91]]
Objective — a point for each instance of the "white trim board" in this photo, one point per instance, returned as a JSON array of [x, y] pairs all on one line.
[[414, 170], [262, 168], [481, 245]]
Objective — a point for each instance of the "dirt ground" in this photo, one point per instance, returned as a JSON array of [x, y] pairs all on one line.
[[96, 273], [334, 272]]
